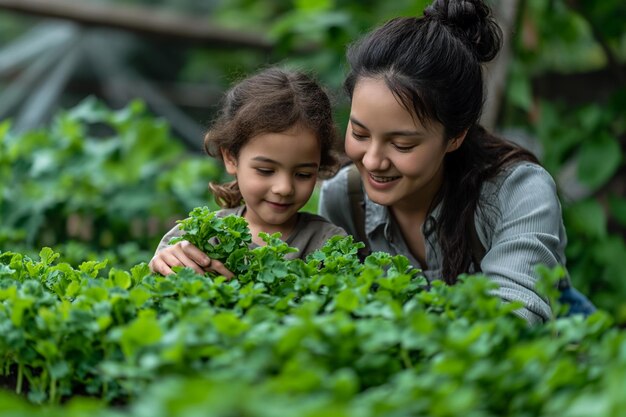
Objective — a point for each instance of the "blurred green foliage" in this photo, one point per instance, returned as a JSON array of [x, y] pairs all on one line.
[[114, 180]]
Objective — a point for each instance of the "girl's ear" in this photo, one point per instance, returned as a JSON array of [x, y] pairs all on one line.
[[455, 143], [230, 162]]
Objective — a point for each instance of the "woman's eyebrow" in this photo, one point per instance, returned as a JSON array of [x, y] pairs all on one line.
[[404, 133], [356, 122], [392, 133]]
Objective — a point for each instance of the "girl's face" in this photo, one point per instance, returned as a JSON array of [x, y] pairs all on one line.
[[276, 173], [400, 160]]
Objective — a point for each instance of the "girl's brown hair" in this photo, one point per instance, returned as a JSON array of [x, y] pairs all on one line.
[[271, 101]]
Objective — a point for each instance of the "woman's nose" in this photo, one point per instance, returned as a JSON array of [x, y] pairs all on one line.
[[374, 158]]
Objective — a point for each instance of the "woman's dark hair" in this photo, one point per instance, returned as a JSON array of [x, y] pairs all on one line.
[[271, 101], [432, 64]]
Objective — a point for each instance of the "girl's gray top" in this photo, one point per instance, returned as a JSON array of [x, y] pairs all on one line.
[[519, 224], [310, 233]]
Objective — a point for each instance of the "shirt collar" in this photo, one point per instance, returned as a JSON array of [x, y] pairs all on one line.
[[379, 216]]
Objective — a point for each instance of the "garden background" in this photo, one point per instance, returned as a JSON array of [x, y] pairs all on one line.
[[103, 106]]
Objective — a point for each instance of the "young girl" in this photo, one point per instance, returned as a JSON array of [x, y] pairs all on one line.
[[275, 135], [437, 184]]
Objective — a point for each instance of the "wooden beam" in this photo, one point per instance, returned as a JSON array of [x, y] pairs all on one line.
[[579, 88], [143, 20], [44, 97], [32, 44]]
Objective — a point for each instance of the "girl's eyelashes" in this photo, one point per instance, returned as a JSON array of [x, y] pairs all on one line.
[[264, 171], [304, 175], [300, 175]]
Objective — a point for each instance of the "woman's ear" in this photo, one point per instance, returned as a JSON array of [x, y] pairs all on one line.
[[456, 143], [230, 162]]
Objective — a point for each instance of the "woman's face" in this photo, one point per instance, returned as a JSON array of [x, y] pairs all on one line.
[[400, 160]]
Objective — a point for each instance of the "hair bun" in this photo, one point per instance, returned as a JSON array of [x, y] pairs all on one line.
[[472, 21]]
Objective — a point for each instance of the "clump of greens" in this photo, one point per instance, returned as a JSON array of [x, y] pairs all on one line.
[[328, 335], [225, 239]]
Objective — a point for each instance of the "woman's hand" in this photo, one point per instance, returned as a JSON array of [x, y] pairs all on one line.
[[184, 253]]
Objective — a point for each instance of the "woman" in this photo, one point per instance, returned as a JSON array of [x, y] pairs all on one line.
[[437, 184]]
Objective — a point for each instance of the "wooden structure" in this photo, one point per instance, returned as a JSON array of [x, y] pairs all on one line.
[[99, 37]]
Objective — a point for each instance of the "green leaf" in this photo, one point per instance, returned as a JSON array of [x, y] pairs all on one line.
[[5, 270], [47, 348], [139, 272], [314, 5], [96, 293], [599, 159], [591, 118], [59, 369], [20, 306], [141, 332], [139, 296], [347, 300], [7, 293], [5, 127], [92, 268], [618, 208], [73, 289], [587, 218], [121, 279], [48, 256], [519, 90], [229, 324]]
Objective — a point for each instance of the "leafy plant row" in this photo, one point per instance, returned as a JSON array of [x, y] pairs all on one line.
[[325, 336]]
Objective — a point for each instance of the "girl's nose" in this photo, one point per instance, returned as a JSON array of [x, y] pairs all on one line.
[[283, 186]]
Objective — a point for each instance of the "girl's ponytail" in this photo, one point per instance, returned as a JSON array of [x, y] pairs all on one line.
[[226, 195]]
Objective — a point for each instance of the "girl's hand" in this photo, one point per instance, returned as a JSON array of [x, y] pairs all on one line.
[[185, 254]]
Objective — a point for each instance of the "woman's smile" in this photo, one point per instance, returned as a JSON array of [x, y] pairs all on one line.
[[383, 178]]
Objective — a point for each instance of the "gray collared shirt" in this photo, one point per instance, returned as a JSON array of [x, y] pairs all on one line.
[[520, 227]]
